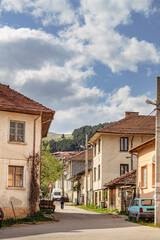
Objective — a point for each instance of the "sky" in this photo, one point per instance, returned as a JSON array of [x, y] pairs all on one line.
[[89, 60]]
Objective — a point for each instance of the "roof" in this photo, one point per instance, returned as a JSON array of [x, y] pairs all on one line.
[[126, 179], [13, 101], [65, 155], [78, 175], [81, 156], [142, 145], [131, 124]]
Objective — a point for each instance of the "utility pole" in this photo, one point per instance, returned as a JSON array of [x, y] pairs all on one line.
[[157, 158], [86, 171]]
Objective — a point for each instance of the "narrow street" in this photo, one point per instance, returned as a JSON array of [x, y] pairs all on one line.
[[75, 223]]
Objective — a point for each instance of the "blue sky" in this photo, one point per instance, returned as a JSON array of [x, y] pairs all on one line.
[[89, 60]]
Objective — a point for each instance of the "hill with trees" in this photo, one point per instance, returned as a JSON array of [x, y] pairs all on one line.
[[75, 140]]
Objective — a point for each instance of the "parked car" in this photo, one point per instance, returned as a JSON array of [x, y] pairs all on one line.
[[56, 194], [141, 208], [1, 216]]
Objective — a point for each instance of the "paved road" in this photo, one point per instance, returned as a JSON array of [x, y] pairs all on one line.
[[82, 225]]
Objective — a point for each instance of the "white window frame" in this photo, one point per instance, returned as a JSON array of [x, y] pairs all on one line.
[[24, 131]]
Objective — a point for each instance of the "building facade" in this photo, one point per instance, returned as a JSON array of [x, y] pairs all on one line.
[[111, 158], [145, 168], [23, 123]]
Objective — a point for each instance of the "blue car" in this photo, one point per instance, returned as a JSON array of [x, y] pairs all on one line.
[[141, 208]]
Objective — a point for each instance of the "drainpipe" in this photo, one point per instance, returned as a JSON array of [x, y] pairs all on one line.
[[34, 134], [132, 153]]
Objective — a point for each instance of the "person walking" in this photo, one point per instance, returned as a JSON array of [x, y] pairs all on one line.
[[62, 202]]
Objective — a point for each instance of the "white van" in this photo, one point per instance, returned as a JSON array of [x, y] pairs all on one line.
[[56, 194]]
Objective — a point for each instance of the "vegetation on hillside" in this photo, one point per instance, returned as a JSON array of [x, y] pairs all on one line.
[[73, 143]]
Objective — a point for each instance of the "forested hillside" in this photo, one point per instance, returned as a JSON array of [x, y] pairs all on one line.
[[72, 144]]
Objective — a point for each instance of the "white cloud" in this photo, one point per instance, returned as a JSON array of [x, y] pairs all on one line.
[[95, 38], [113, 109], [51, 12], [54, 69]]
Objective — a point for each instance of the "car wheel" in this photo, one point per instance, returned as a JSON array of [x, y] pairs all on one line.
[[129, 216], [0, 224], [137, 217]]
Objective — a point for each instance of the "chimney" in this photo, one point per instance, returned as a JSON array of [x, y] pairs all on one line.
[[131, 113]]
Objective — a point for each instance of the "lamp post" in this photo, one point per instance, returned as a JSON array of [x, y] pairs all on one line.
[[157, 155], [86, 171]]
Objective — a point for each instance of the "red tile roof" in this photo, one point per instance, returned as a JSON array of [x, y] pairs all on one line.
[[81, 156], [131, 124], [13, 101], [126, 179], [65, 155]]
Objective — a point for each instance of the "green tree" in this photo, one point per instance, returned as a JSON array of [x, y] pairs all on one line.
[[51, 169]]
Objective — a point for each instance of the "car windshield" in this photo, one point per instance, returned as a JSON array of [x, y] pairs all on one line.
[[147, 202], [57, 193]]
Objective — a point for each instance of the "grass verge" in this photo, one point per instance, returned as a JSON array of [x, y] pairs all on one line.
[[38, 217], [99, 210], [145, 223]]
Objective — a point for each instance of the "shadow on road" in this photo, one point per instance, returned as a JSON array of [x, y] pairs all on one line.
[[69, 222]]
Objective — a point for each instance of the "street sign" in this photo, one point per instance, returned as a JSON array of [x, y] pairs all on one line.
[[49, 185]]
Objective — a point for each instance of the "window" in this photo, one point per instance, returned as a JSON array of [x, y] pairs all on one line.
[[99, 172], [99, 197], [99, 145], [123, 168], [144, 176], [124, 144], [94, 174], [16, 131], [95, 145], [153, 174], [15, 176]]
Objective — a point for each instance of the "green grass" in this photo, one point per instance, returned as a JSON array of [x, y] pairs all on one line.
[[38, 217], [99, 210], [148, 224]]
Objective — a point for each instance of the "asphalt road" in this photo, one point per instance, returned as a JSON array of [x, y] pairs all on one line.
[[79, 224]]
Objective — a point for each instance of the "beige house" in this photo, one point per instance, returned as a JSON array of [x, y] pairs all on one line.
[[111, 158], [75, 167], [79, 194], [23, 123], [145, 168]]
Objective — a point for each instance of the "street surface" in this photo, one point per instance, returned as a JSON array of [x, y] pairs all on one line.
[[79, 224]]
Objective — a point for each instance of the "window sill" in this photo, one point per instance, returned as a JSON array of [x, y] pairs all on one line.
[[21, 143], [144, 187], [15, 188]]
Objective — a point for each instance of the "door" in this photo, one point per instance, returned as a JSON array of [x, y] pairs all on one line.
[[112, 198]]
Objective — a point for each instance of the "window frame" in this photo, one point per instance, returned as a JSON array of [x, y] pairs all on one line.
[[16, 131], [95, 150], [123, 147], [153, 174], [99, 173], [99, 145], [125, 166], [14, 176], [142, 177], [95, 174]]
